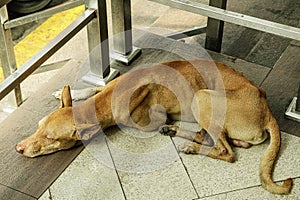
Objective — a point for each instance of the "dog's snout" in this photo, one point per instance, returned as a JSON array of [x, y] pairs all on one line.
[[20, 148]]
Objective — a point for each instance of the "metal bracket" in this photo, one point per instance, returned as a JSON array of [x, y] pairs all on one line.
[[126, 59], [291, 112], [97, 80], [187, 33]]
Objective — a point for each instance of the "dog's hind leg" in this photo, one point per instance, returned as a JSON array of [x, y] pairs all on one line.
[[209, 110], [200, 137]]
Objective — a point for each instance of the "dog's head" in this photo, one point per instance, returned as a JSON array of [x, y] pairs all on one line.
[[55, 132]]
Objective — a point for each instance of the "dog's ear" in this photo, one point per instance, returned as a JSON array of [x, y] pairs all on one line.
[[66, 99], [87, 131]]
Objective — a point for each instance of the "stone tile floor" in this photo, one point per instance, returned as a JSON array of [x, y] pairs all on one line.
[[154, 169]]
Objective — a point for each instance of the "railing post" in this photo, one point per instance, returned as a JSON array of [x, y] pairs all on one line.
[[123, 49], [293, 110], [100, 72], [214, 30], [298, 100], [7, 55]]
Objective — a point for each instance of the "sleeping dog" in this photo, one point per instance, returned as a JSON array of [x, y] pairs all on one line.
[[227, 106]]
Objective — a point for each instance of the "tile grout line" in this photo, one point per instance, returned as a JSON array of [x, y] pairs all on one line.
[[185, 168], [240, 189], [50, 195], [48, 188], [273, 67], [18, 191], [226, 192], [119, 179], [255, 46], [267, 76]]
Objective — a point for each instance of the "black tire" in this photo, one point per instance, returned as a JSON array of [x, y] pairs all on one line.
[[27, 6]]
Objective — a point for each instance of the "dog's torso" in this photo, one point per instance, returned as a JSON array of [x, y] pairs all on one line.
[[171, 85]]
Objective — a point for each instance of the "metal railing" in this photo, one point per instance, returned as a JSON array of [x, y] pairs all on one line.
[[33, 63], [95, 18], [234, 17], [13, 76]]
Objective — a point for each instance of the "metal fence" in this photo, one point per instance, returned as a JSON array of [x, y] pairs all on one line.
[[94, 17]]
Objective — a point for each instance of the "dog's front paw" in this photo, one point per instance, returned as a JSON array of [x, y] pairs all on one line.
[[169, 130], [57, 94], [189, 148]]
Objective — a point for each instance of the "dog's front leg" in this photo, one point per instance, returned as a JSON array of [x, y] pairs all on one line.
[[81, 94]]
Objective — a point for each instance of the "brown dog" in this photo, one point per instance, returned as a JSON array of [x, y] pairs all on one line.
[[226, 105]]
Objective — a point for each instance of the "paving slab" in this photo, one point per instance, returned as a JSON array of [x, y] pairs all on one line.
[[145, 13], [149, 166], [144, 163], [88, 178], [181, 20], [256, 46], [254, 72], [254, 193], [268, 50], [8, 193], [46, 195]]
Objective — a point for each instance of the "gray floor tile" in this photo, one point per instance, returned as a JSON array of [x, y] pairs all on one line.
[[46, 196], [257, 193], [87, 178], [254, 72], [149, 166], [9, 193]]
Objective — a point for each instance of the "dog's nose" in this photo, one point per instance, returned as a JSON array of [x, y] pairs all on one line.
[[20, 148]]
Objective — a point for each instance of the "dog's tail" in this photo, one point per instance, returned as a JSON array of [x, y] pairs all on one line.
[[268, 160]]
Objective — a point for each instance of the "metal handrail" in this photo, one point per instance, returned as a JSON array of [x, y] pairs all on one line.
[[42, 14], [34, 62], [8, 55], [234, 17]]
